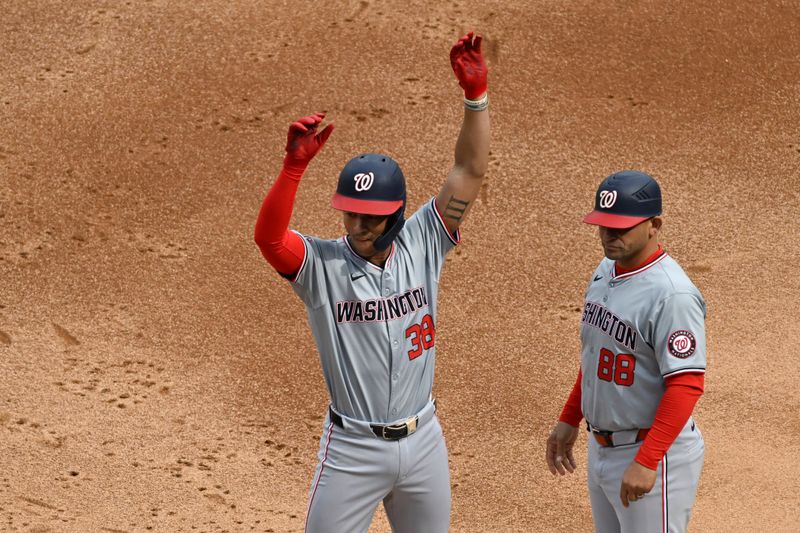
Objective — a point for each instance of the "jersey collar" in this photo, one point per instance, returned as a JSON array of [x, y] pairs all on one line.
[[622, 273]]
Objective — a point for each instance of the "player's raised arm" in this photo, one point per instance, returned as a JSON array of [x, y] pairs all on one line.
[[283, 249], [472, 148]]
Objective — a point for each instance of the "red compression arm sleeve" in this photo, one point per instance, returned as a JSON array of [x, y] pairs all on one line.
[[572, 414], [283, 249], [673, 411]]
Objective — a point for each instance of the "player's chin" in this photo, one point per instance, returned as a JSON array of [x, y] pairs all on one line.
[[363, 247], [614, 252]]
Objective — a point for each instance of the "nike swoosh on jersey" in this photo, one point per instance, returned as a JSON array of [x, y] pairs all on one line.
[[354, 277], [597, 278]]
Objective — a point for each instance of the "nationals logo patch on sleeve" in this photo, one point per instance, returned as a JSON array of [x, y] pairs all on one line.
[[682, 344]]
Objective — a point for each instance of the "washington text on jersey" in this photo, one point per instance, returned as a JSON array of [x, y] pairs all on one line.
[[382, 309], [598, 316]]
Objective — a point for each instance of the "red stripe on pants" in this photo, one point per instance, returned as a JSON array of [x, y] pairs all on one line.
[[321, 468]]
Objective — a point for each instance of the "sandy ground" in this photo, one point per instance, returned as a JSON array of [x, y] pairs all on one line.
[[156, 375]]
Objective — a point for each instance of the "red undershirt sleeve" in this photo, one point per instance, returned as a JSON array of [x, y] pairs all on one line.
[[572, 414], [283, 249], [673, 411]]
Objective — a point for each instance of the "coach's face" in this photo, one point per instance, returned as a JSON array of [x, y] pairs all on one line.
[[627, 245], [363, 230]]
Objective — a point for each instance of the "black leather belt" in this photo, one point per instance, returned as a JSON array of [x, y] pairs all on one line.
[[391, 432]]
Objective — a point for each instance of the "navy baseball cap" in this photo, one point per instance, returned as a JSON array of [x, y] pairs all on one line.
[[371, 184], [625, 199]]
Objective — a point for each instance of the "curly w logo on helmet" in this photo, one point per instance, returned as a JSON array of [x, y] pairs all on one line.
[[364, 181], [608, 199]]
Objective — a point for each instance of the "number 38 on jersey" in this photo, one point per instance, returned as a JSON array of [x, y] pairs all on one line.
[[422, 337]]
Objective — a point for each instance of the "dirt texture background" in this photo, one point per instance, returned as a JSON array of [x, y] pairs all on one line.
[[157, 375]]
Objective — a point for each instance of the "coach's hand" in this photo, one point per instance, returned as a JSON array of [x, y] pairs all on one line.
[[304, 142], [559, 448], [469, 66], [637, 481]]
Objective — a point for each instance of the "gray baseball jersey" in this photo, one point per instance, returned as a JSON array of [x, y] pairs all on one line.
[[375, 327], [638, 328]]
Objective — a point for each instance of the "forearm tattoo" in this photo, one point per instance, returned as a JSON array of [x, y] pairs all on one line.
[[455, 208]]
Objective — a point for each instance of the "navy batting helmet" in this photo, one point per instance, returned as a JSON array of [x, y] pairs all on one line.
[[625, 199], [373, 184]]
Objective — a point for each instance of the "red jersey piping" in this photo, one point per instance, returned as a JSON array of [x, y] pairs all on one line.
[[621, 273]]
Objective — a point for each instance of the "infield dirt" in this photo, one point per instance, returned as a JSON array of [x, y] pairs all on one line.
[[157, 375]]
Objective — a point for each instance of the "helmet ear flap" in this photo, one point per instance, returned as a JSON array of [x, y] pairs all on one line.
[[394, 224]]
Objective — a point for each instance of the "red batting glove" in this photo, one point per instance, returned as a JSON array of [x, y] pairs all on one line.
[[304, 142], [469, 66]]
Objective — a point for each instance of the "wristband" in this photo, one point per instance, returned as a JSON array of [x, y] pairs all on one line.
[[477, 105]]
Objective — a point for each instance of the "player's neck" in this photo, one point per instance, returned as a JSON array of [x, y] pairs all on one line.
[[380, 258], [645, 255]]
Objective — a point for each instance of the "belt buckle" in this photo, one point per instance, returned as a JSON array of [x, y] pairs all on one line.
[[410, 426]]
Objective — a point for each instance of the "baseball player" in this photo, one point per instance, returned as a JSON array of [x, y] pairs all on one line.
[[371, 302], [642, 368]]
